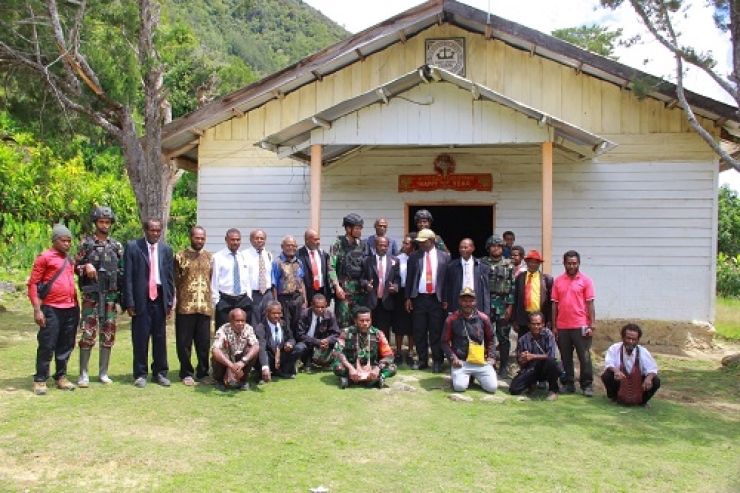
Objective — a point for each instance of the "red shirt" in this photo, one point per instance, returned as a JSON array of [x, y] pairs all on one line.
[[63, 292], [571, 295]]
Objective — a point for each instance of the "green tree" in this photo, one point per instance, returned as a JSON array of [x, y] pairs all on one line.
[[659, 17], [594, 38], [728, 227]]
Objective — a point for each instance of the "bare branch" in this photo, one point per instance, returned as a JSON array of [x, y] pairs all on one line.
[[673, 47]]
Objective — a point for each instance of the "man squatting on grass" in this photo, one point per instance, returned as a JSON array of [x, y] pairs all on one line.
[[630, 372]]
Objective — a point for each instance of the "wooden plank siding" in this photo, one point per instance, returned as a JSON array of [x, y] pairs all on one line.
[[641, 215]]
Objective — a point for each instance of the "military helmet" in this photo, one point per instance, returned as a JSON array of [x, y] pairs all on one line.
[[494, 240], [423, 214], [351, 220], [102, 212]]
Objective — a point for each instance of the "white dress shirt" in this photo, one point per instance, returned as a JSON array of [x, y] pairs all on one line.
[[253, 264], [222, 280], [403, 263], [154, 260], [423, 278], [647, 363], [467, 266], [315, 254]]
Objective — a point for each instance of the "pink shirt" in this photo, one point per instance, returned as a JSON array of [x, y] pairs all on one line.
[[571, 295], [63, 292]]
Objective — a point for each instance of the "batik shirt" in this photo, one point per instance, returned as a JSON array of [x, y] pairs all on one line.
[[372, 346], [193, 272], [545, 344], [287, 274], [231, 343]]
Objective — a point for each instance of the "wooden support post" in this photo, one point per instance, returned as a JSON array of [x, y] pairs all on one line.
[[547, 207], [316, 152]]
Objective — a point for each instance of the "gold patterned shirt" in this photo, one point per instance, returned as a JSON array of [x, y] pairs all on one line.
[[193, 281]]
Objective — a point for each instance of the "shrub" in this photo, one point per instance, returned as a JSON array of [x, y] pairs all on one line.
[[728, 275]]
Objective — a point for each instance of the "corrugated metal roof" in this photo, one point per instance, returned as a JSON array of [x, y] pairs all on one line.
[[294, 141], [178, 135]]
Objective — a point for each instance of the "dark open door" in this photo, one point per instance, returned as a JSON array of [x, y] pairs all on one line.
[[455, 222]]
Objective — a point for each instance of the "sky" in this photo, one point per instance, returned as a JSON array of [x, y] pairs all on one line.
[[697, 29]]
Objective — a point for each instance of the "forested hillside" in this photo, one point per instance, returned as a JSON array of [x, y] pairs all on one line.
[[55, 165]]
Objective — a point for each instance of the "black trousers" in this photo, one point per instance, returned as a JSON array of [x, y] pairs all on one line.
[[544, 370], [150, 323], [383, 319], [226, 303], [612, 387], [288, 361], [56, 340], [428, 320], [568, 340], [219, 370], [292, 304], [259, 302], [193, 329]]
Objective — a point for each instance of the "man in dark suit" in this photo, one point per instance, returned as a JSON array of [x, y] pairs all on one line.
[[427, 269], [316, 263], [148, 297], [525, 285], [317, 333], [278, 353], [381, 279], [467, 272]]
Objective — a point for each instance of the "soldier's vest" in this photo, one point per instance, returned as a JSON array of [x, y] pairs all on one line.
[[501, 278], [104, 257], [362, 352], [352, 259]]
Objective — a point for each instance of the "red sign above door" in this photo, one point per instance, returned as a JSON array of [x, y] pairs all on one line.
[[445, 179]]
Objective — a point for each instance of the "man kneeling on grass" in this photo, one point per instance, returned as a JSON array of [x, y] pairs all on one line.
[[467, 342], [362, 353], [234, 351], [630, 372], [536, 355]]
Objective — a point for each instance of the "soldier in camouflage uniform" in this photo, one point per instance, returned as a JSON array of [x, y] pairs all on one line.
[[362, 353], [501, 286], [423, 220], [99, 267], [345, 268]]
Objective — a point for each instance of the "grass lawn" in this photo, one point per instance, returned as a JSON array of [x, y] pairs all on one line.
[[728, 318], [290, 436]]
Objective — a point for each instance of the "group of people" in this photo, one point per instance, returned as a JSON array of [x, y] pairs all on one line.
[[271, 312]]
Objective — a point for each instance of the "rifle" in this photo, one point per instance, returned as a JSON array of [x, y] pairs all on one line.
[[100, 288]]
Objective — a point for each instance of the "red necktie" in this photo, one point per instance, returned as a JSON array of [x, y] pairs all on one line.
[[430, 284], [381, 277], [315, 271], [152, 276], [528, 291]]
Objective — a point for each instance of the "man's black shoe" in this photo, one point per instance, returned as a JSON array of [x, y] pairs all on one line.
[[419, 366], [567, 389], [437, 368], [343, 382]]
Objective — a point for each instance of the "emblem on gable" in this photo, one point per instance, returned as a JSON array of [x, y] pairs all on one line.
[[448, 54]]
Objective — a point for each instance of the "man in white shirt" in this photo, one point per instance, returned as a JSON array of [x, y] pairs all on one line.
[[259, 263], [230, 286], [629, 366]]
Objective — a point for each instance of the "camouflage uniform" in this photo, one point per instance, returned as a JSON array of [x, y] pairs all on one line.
[[501, 286], [338, 275], [107, 258], [353, 345]]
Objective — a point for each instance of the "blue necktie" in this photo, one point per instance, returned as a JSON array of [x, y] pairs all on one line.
[[277, 335], [237, 277]]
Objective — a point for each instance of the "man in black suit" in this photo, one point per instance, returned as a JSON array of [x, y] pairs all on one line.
[[278, 352], [317, 333], [467, 272], [524, 303], [148, 298], [316, 263], [427, 269], [381, 279]]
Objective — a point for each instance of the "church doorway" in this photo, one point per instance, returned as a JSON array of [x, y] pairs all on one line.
[[455, 222]]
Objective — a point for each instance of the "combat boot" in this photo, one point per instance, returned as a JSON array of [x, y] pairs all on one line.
[[84, 381], [104, 361]]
